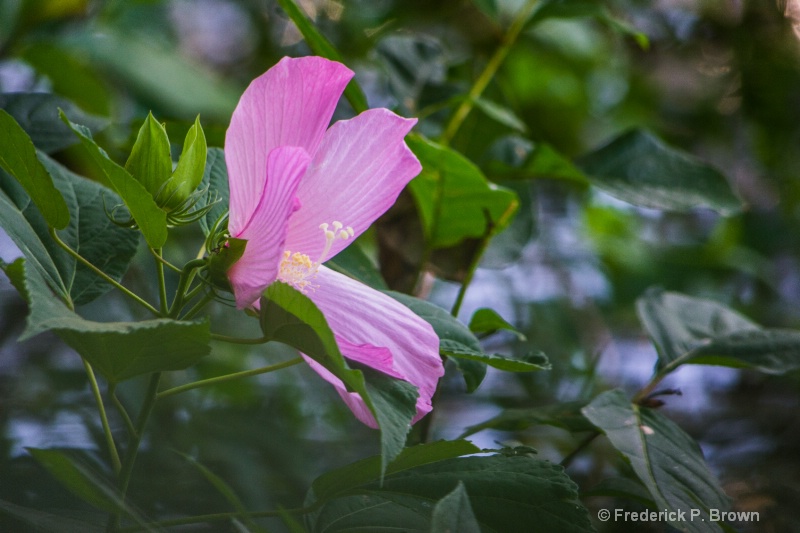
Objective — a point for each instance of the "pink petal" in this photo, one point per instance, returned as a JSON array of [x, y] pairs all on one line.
[[355, 176], [265, 231], [289, 105], [378, 331]]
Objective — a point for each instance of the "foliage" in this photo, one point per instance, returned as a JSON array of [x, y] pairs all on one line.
[[583, 163]]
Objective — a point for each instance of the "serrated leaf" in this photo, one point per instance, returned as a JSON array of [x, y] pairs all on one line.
[[454, 198], [290, 317], [539, 492], [501, 362], [215, 179], [190, 170], [150, 162], [453, 513], [148, 216], [639, 168], [449, 328], [488, 321], [37, 114], [117, 350], [321, 46], [666, 460], [18, 158]]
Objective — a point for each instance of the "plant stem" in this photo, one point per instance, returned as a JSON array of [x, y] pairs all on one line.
[[134, 442], [102, 274], [98, 398], [164, 262], [236, 340], [228, 377], [196, 308], [162, 286], [123, 413], [187, 274], [488, 72], [566, 461]]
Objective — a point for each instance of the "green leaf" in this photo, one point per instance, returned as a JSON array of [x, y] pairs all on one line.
[[666, 460], [353, 262], [621, 487], [215, 178], [501, 114], [190, 170], [75, 473], [488, 321], [37, 114], [156, 72], [538, 492], [639, 168], [342, 480], [89, 232], [566, 415], [321, 46], [118, 350], [148, 216], [289, 316], [48, 522], [453, 513], [455, 199], [448, 328], [487, 6], [542, 161], [688, 330], [18, 158], [150, 162], [501, 362]]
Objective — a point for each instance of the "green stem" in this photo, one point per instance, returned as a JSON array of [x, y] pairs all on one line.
[[236, 340], [102, 274], [123, 413], [166, 263], [194, 292], [228, 377], [162, 286], [196, 308], [187, 274], [135, 440], [488, 72], [566, 461], [98, 398]]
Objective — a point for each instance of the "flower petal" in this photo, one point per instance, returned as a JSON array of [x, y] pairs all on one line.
[[265, 232], [357, 173], [378, 331], [289, 105]]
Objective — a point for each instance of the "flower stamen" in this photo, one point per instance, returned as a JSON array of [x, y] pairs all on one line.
[[298, 270]]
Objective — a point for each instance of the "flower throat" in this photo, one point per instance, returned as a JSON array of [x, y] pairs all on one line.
[[298, 270]]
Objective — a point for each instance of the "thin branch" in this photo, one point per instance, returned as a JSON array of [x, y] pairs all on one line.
[[98, 398]]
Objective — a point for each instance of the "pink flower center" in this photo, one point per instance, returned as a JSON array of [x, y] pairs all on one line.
[[298, 270]]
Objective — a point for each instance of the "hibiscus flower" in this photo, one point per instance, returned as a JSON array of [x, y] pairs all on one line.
[[300, 192]]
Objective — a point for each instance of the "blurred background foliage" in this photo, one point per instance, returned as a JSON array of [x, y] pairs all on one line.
[[717, 78]]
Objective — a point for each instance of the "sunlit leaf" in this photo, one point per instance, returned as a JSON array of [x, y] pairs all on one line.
[[18, 158], [666, 460], [485, 320], [639, 168]]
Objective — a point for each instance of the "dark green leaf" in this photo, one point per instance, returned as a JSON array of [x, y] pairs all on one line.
[[149, 217], [501, 114], [150, 162], [353, 262], [191, 167], [340, 481], [77, 475], [487, 320], [621, 487], [487, 6], [772, 351], [18, 158], [454, 198], [323, 47], [48, 522], [118, 350], [290, 317], [666, 460], [449, 328], [542, 161], [37, 114], [453, 513], [215, 178], [565, 415], [458, 350], [538, 492], [639, 168]]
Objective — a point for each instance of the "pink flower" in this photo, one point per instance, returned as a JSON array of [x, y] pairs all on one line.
[[300, 193]]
